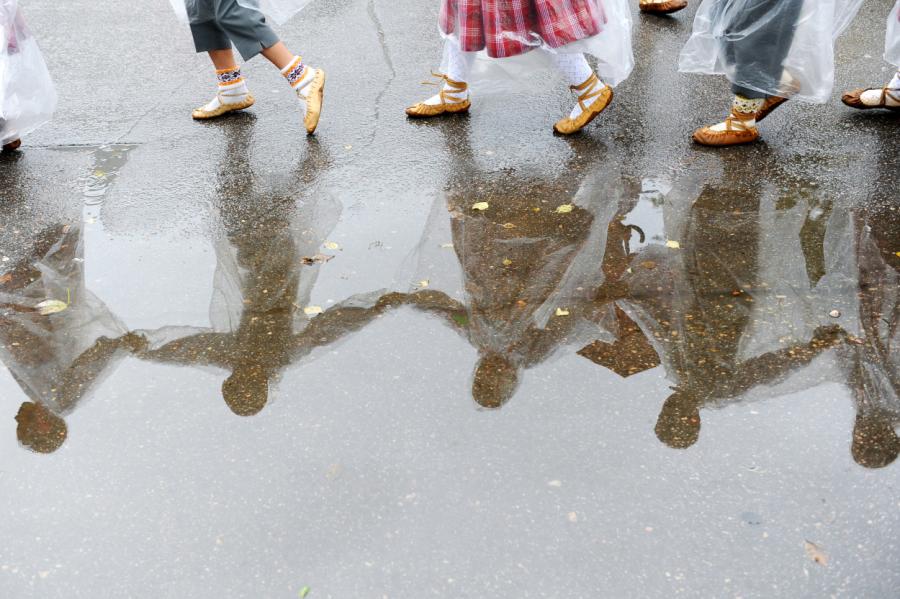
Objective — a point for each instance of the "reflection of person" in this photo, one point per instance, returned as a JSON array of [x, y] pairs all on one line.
[[887, 97], [873, 361], [216, 25], [56, 356], [261, 287], [517, 262], [564, 28], [695, 303]]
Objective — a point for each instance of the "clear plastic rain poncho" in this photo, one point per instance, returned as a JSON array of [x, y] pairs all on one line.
[[27, 95], [774, 47], [892, 39], [201, 11], [509, 29]]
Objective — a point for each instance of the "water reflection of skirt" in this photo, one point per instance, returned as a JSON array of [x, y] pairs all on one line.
[[512, 27]]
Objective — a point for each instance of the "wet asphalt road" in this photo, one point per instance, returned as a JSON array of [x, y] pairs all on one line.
[[715, 419]]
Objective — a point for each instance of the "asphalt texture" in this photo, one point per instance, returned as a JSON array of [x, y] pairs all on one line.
[[279, 365]]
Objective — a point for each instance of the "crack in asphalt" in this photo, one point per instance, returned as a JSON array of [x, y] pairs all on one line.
[[386, 54]]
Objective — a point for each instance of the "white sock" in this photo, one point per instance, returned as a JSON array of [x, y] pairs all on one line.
[[459, 66], [299, 76], [576, 71], [872, 97], [232, 89], [742, 105]]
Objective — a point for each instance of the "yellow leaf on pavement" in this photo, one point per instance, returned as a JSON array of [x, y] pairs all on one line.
[[480, 206], [48, 307], [331, 245], [312, 310], [673, 244], [565, 209], [562, 312]]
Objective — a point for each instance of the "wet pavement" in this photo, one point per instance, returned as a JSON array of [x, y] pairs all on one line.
[[443, 359]]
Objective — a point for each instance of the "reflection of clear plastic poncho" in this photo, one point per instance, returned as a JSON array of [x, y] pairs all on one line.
[[892, 40], [57, 357], [27, 95], [201, 11], [776, 47], [510, 28]]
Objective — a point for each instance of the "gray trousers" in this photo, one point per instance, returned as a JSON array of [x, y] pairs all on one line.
[[217, 24], [767, 33]]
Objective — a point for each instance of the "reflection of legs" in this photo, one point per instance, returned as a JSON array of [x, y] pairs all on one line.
[[593, 95], [454, 95]]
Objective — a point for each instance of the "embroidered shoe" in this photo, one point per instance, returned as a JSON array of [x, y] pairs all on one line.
[[313, 94], [453, 99], [221, 105], [592, 101], [736, 132]]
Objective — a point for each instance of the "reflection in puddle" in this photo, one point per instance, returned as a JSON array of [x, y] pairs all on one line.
[[762, 295]]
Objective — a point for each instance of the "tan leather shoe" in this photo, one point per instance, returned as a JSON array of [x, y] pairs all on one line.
[[593, 102], [771, 103], [447, 105], [736, 132], [853, 99], [314, 96], [663, 8], [203, 114]]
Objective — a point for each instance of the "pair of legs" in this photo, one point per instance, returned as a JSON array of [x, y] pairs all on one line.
[[593, 95], [755, 45], [219, 24]]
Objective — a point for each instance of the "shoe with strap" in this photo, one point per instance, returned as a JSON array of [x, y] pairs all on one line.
[[853, 99], [736, 132], [452, 99], [222, 104], [593, 100]]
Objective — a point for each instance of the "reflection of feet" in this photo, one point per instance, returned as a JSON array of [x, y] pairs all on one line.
[[221, 105], [665, 7], [594, 97], [865, 99], [452, 99], [738, 128], [12, 146]]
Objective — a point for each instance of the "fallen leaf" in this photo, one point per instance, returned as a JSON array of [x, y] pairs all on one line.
[[480, 206], [447, 246], [48, 307], [312, 310], [815, 553], [317, 259], [509, 226], [897, 254], [507, 262], [673, 244], [564, 209], [521, 303], [331, 245], [461, 319], [304, 592], [835, 314], [424, 283], [536, 209], [561, 312], [649, 264]]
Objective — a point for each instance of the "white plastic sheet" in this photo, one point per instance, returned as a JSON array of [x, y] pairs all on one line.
[[27, 95], [892, 39], [201, 11], [776, 47], [510, 29]]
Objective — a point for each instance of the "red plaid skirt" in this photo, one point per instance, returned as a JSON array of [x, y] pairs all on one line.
[[511, 27]]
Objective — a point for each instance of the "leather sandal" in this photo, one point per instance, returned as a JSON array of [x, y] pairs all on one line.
[[853, 99], [314, 98], [12, 146], [662, 8], [449, 103], [735, 133], [599, 99]]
